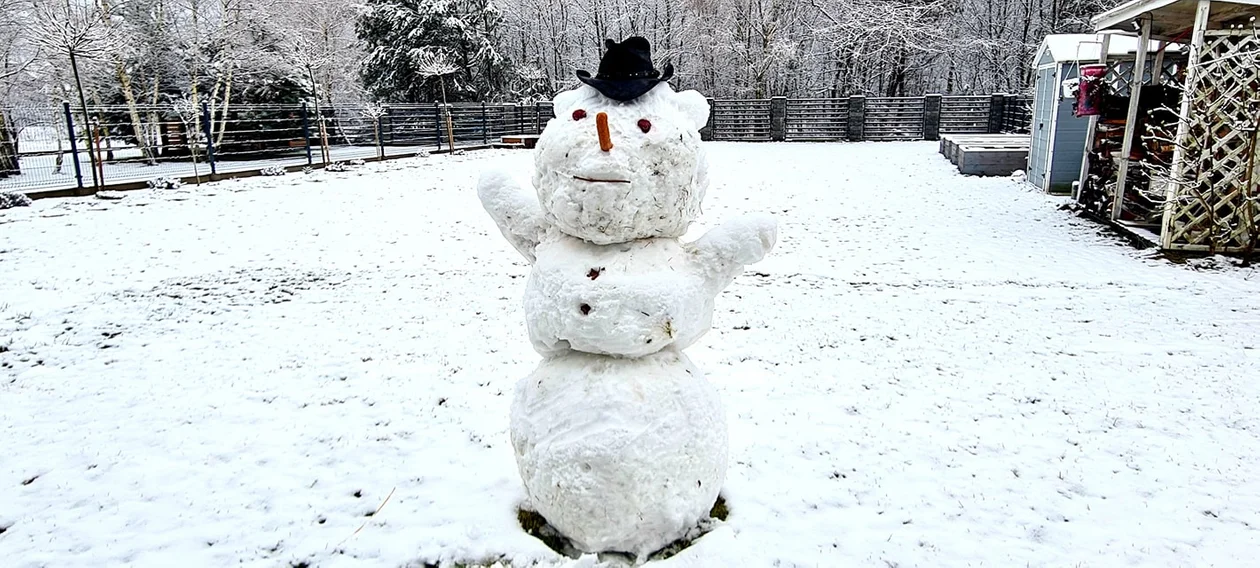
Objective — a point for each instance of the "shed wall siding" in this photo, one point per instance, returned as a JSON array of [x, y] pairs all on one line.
[[1042, 123], [1069, 148]]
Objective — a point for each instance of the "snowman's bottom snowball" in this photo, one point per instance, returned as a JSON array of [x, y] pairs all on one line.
[[618, 454]]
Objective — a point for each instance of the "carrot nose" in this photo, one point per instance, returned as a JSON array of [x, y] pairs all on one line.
[[601, 126]]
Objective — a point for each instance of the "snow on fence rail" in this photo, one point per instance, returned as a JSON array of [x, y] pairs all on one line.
[[67, 150]]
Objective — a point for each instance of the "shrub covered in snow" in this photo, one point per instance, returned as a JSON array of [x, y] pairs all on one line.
[[1214, 262], [337, 167], [165, 183], [357, 162], [13, 199], [274, 171]]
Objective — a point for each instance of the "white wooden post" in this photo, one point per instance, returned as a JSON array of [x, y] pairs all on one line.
[[1183, 121], [1157, 74], [1130, 125], [1093, 125]]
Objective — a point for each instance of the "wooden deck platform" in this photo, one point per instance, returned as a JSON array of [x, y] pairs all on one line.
[[518, 141], [987, 154]]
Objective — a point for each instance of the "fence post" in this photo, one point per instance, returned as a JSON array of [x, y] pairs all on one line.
[[778, 118], [485, 135], [856, 127], [74, 146], [209, 132], [380, 143], [437, 124], [706, 133], [94, 150], [306, 134], [932, 117], [513, 114], [997, 108]]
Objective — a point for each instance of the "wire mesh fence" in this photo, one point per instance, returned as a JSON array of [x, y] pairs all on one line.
[[67, 147]]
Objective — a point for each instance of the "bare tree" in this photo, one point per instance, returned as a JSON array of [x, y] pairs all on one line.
[[432, 63], [79, 31]]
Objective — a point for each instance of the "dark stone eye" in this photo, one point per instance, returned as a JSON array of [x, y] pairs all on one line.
[[579, 114], [645, 124]]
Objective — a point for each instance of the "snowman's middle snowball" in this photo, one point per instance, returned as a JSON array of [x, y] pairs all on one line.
[[628, 299]]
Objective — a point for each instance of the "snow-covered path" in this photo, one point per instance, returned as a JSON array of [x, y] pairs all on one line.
[[930, 370]]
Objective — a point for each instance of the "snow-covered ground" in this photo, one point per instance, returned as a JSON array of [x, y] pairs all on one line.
[[930, 370]]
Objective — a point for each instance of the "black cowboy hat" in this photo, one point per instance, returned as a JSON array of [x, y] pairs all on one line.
[[626, 71]]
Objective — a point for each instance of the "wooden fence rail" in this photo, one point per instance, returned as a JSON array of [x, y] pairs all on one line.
[[860, 118], [52, 148]]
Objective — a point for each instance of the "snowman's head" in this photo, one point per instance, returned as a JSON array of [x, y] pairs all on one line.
[[612, 172]]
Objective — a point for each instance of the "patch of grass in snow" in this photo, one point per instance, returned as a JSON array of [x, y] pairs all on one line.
[[536, 526], [719, 510]]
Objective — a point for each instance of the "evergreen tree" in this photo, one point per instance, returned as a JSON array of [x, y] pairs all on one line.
[[465, 32]]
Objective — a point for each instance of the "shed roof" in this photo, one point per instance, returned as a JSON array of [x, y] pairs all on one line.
[[1174, 19], [1086, 47]]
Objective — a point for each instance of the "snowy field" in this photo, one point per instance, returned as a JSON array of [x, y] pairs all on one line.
[[930, 370], [41, 173]]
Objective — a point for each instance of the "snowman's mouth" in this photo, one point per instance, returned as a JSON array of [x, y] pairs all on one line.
[[597, 180]]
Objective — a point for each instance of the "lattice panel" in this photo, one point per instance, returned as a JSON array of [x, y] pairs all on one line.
[[1119, 73], [1216, 206]]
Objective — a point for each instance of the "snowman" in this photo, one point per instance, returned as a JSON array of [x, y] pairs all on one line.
[[619, 439]]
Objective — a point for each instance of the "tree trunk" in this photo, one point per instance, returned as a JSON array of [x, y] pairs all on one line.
[[9, 165], [87, 121], [137, 126], [124, 83], [223, 110]]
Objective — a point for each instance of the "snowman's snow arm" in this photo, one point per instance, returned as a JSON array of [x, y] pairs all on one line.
[[514, 210], [723, 252]]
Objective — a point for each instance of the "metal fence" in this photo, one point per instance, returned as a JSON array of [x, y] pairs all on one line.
[[65, 150]]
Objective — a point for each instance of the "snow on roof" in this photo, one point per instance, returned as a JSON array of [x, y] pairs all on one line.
[[1086, 47]]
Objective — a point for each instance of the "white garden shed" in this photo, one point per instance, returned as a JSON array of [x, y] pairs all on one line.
[[1058, 135]]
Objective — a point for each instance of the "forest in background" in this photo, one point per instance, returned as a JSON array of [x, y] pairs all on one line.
[[231, 52]]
